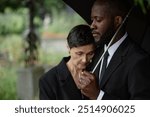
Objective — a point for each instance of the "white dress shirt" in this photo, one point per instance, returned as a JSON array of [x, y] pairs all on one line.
[[111, 50]]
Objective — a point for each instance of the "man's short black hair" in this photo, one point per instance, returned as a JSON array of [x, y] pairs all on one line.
[[116, 7], [80, 35]]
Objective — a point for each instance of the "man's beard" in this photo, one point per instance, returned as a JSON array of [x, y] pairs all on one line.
[[106, 37]]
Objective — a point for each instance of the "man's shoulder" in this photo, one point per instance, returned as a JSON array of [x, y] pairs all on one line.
[[136, 49]]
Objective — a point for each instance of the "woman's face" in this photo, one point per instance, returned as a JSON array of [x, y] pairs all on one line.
[[81, 56]]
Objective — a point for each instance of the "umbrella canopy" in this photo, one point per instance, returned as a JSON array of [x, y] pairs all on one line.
[[138, 25], [82, 7]]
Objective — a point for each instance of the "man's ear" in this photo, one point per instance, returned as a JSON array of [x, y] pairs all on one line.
[[117, 22]]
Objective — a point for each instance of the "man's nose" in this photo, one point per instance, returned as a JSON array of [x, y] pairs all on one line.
[[93, 25]]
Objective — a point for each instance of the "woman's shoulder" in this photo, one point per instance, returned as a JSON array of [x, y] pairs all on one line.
[[54, 72], [50, 75]]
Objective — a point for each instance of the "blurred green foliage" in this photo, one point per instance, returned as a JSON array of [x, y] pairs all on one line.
[[63, 22], [12, 46], [12, 41], [8, 83], [41, 6], [13, 22], [14, 4], [144, 4]]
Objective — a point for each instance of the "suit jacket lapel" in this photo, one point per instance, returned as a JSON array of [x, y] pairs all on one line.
[[115, 62]]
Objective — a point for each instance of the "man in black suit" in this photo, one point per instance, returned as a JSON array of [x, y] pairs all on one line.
[[127, 74]]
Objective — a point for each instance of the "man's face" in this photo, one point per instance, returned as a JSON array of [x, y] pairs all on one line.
[[102, 24], [81, 56]]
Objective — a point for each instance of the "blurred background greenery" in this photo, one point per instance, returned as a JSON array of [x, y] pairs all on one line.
[[53, 20]]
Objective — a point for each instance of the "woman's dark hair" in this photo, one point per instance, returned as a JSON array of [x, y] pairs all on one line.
[[80, 35]]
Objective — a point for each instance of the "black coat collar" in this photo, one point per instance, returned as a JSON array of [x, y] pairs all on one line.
[[63, 70]]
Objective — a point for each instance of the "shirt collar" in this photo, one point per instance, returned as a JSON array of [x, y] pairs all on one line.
[[114, 47]]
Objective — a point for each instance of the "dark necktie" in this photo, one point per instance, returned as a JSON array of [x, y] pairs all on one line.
[[104, 65]]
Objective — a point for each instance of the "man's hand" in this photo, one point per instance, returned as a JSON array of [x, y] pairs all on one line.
[[88, 85]]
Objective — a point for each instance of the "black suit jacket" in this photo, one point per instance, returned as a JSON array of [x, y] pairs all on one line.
[[58, 84], [128, 73]]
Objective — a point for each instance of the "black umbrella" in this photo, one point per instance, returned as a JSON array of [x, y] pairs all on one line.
[[138, 25], [82, 7]]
